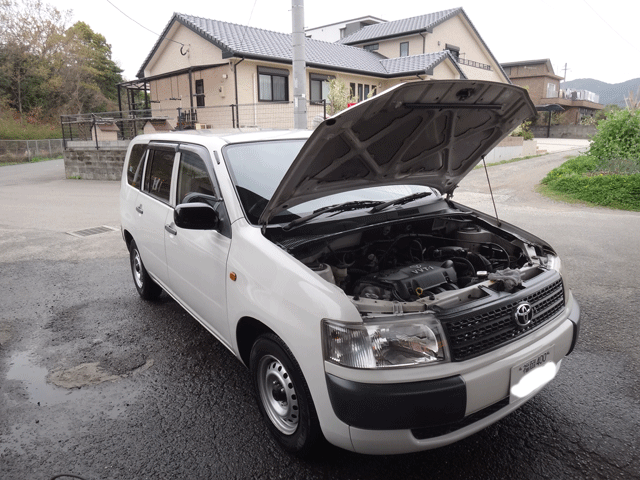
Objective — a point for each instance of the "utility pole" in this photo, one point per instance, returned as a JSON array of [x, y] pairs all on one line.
[[299, 66], [565, 73]]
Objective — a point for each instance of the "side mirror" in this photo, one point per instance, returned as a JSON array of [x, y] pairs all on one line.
[[196, 216]]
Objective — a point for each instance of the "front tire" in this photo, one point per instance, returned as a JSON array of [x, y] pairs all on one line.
[[283, 395], [147, 288]]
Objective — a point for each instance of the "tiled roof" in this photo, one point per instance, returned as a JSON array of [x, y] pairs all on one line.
[[417, 63], [399, 27], [242, 41]]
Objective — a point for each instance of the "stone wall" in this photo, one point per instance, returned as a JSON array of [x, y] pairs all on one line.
[[90, 164]]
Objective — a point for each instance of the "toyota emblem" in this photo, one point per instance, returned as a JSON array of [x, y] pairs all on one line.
[[523, 314]]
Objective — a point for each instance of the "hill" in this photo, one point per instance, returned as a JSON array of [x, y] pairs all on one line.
[[609, 93]]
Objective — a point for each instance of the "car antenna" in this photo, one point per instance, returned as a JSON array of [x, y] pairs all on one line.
[[491, 191]]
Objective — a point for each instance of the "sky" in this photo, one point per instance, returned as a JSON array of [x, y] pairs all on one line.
[[595, 38]]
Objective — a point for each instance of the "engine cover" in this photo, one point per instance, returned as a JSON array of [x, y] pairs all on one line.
[[413, 280]]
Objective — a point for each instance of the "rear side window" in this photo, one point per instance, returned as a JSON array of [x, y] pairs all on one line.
[[157, 180], [134, 168]]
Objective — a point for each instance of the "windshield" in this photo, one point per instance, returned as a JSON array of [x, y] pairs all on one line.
[[258, 168]]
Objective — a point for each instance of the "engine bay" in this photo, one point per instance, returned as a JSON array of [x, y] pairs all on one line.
[[411, 266]]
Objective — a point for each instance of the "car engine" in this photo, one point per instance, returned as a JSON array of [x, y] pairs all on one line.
[[413, 266]]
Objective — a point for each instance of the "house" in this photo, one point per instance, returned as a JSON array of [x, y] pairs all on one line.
[[222, 74], [335, 31], [544, 89], [105, 132]]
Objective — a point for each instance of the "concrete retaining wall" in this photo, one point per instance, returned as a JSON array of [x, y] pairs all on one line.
[[91, 164], [565, 131], [511, 147]]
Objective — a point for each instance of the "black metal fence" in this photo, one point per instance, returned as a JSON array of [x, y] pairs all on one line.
[[102, 128]]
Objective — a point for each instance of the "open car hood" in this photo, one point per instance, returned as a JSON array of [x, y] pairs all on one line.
[[429, 133]]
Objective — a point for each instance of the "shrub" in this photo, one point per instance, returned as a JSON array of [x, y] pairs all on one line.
[[618, 137]]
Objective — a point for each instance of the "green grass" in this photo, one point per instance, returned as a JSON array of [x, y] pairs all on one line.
[[613, 184], [13, 130]]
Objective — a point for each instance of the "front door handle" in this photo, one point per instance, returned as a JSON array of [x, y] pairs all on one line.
[[139, 209], [170, 229]]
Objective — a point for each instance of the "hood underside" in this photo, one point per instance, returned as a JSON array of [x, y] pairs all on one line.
[[429, 133]]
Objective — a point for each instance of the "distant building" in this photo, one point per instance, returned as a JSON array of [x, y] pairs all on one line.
[[336, 31], [544, 89]]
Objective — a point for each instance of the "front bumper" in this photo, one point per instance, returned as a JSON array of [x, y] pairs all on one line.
[[389, 418]]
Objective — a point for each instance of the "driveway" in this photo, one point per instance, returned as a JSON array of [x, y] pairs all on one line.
[[98, 383]]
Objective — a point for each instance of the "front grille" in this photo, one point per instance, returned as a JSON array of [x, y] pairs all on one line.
[[474, 333]]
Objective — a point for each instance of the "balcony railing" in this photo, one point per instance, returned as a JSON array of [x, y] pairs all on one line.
[[472, 63]]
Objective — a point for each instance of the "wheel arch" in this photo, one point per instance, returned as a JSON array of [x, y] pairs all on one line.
[[127, 238], [248, 330]]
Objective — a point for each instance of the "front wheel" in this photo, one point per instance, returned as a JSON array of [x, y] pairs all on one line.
[[283, 395], [147, 288]]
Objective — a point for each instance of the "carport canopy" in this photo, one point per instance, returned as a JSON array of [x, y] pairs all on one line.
[[551, 107]]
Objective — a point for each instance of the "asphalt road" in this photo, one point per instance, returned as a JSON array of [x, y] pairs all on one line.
[[148, 393]]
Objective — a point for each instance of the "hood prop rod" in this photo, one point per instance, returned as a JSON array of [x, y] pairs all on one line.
[[491, 191]]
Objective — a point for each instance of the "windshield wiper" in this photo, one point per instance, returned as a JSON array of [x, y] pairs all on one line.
[[340, 207], [399, 201]]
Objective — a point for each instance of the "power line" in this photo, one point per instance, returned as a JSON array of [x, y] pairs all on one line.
[[609, 25], [138, 23]]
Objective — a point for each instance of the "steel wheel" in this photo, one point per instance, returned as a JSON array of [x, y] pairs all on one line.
[[283, 395], [137, 268], [278, 394], [146, 287]]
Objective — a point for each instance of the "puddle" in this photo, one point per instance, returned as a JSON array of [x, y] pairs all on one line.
[[34, 379]]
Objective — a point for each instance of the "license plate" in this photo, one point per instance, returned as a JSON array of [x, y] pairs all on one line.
[[528, 376]]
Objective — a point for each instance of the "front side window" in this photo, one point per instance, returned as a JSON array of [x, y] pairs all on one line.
[[157, 180], [371, 47], [404, 49], [193, 177], [273, 84]]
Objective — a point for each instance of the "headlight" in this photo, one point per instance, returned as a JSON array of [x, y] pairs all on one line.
[[399, 343], [555, 263]]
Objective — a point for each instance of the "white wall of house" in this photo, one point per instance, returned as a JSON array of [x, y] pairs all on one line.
[[168, 57], [456, 32]]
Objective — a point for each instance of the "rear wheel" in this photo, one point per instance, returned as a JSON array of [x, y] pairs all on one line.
[[147, 288], [283, 395]]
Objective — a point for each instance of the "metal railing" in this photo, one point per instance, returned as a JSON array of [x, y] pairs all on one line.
[[102, 128]]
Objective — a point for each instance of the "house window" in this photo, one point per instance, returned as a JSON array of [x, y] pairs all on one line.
[[200, 93], [273, 84], [319, 86], [404, 49], [372, 47], [454, 51], [342, 32], [360, 97], [551, 90]]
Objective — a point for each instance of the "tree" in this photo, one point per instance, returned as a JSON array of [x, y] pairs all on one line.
[[339, 96], [45, 66], [89, 75], [30, 35]]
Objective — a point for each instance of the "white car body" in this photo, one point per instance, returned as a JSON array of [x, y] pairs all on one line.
[[251, 277]]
